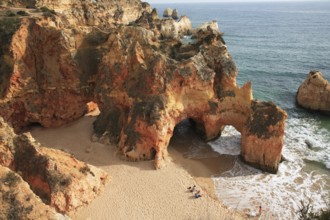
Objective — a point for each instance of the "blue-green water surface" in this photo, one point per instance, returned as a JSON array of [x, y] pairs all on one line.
[[275, 45]]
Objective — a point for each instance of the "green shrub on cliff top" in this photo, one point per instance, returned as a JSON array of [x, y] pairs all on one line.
[[22, 13], [10, 14], [47, 12], [11, 179], [8, 26]]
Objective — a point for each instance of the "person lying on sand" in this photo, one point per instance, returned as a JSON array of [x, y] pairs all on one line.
[[197, 194], [192, 189]]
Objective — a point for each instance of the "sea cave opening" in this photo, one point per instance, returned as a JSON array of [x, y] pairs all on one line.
[[91, 109], [33, 126], [189, 149]]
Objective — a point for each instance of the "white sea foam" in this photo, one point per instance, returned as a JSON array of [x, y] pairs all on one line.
[[229, 143], [187, 39], [300, 130], [245, 188]]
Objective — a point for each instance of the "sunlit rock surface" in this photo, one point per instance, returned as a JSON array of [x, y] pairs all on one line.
[[56, 177], [143, 78], [314, 93], [19, 202]]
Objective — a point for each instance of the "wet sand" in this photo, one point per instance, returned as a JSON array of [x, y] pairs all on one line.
[[203, 163], [136, 189]]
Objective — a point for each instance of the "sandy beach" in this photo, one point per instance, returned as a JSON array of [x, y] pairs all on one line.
[[136, 190]]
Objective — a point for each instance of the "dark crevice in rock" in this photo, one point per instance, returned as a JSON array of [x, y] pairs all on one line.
[[8, 27]]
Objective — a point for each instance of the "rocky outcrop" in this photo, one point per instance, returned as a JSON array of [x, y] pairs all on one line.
[[164, 28], [58, 178], [314, 93], [184, 26], [158, 88], [211, 25], [19, 202], [7, 148], [171, 13], [40, 80], [264, 130], [167, 13], [175, 14], [143, 79], [100, 13]]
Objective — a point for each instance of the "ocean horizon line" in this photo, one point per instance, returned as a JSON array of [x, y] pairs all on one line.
[[239, 1]]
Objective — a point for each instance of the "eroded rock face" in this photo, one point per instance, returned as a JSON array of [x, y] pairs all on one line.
[[211, 25], [41, 81], [58, 178], [175, 14], [19, 202], [146, 98], [314, 93], [144, 80], [264, 130], [7, 148], [164, 28], [167, 12], [91, 12]]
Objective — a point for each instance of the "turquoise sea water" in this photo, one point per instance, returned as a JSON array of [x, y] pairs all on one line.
[[275, 45]]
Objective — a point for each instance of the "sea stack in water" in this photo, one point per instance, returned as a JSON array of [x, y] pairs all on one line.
[[143, 78], [167, 13], [314, 93], [170, 13], [175, 14]]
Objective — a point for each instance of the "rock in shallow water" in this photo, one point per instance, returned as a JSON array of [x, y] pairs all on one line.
[[314, 93], [175, 14], [167, 13]]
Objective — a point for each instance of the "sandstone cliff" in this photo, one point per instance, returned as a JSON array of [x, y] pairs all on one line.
[[19, 202], [314, 93], [143, 78], [90, 12], [56, 177]]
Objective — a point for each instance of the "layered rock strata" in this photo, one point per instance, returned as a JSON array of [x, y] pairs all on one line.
[[144, 80], [314, 93], [58, 178]]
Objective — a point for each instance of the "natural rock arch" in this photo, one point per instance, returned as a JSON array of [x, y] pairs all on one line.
[[143, 83]]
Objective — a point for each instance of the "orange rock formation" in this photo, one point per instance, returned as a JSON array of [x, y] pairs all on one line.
[[143, 78], [19, 202], [58, 178], [314, 93]]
